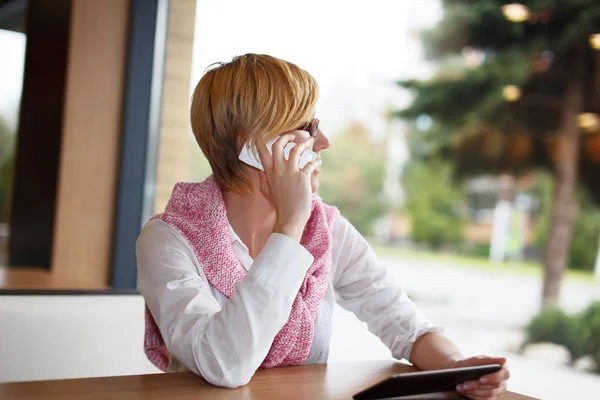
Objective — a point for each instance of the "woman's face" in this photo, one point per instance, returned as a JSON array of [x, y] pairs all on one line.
[[320, 142]]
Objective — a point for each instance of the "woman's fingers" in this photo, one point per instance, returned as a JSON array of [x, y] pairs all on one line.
[[266, 159], [311, 167], [289, 188], [278, 148], [496, 377], [468, 385], [277, 154], [480, 360], [296, 152], [490, 386], [495, 392], [475, 386]]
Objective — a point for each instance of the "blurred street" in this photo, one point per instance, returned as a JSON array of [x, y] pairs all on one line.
[[482, 311]]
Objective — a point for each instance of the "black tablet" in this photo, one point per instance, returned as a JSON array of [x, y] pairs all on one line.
[[412, 383]]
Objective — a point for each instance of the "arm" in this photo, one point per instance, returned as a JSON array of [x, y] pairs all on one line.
[[224, 345], [365, 287], [434, 351]]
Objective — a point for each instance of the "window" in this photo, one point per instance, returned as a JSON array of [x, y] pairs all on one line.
[[12, 49]]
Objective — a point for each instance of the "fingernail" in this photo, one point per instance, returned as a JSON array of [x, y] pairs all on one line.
[[460, 388], [484, 380]]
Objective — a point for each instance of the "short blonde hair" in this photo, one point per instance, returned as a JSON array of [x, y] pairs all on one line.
[[253, 96]]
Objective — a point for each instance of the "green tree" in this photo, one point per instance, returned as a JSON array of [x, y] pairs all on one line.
[[433, 207], [5, 139], [586, 231], [517, 106], [352, 176], [6, 169]]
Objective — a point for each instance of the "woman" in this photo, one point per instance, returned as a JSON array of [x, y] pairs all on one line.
[[241, 270]]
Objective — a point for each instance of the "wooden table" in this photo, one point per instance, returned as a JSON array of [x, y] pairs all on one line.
[[314, 382]]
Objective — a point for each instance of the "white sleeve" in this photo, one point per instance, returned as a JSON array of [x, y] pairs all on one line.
[[362, 285], [224, 345]]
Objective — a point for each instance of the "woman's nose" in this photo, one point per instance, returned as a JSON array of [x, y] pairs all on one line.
[[321, 142]]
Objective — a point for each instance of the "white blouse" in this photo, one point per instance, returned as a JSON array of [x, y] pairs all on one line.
[[225, 340]]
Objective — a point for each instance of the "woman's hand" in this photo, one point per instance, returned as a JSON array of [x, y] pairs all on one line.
[[491, 386], [288, 187]]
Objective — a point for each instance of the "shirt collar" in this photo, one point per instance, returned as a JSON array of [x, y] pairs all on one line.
[[235, 239]]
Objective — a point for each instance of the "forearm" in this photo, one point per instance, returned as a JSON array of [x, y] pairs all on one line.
[[230, 346], [227, 342], [434, 351]]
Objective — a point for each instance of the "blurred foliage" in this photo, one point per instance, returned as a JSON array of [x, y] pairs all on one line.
[[476, 94], [591, 336], [352, 177], [579, 333], [586, 231], [555, 326], [429, 144], [6, 179], [5, 139], [556, 25], [474, 125], [6, 169], [515, 104], [432, 202], [477, 250]]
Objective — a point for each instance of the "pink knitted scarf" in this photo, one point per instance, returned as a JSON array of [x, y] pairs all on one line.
[[198, 212]]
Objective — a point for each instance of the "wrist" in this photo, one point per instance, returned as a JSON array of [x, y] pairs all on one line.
[[433, 350], [293, 231]]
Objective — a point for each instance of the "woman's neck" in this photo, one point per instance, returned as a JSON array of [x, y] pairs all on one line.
[[251, 217]]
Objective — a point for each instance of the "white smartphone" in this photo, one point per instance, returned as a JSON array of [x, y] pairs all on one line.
[[247, 155]]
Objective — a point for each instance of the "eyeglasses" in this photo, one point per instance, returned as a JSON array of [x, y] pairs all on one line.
[[312, 127]]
